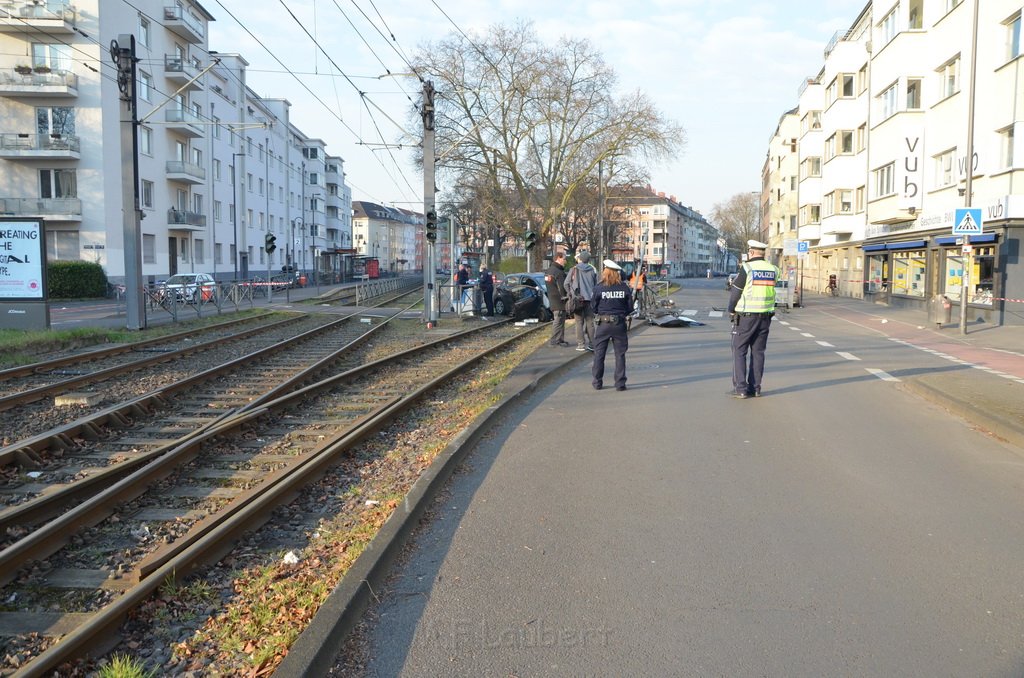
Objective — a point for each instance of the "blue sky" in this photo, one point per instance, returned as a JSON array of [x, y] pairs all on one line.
[[726, 70]]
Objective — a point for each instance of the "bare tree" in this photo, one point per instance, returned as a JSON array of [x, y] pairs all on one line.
[[739, 219], [533, 121]]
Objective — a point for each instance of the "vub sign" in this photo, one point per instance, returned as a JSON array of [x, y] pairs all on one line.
[[910, 174]]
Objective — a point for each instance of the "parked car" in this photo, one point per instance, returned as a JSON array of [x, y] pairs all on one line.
[[522, 295], [189, 288]]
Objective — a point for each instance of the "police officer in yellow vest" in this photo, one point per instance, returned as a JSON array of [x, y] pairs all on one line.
[[751, 309]]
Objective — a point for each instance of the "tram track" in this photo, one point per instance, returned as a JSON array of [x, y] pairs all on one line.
[[224, 480]]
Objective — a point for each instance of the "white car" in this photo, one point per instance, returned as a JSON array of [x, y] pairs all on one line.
[[189, 288]]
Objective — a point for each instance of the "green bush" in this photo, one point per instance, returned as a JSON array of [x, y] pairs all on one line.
[[75, 280]]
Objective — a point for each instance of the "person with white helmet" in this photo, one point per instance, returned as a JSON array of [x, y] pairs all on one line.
[[612, 301], [751, 309]]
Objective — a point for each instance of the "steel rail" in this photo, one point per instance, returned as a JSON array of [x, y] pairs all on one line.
[[214, 539]]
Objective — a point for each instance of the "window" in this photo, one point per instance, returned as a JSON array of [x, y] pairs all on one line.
[[848, 81], [860, 199], [944, 164], [916, 15], [216, 210], [845, 201], [949, 74], [888, 26], [197, 203], [148, 248], [58, 183], [862, 137], [144, 36], [145, 83], [846, 141], [216, 127], [147, 193], [248, 180], [1013, 37], [887, 102], [830, 93], [830, 148], [1006, 146], [952, 4], [56, 56], [261, 186], [811, 121], [908, 273], [913, 94], [810, 167], [58, 120], [982, 275], [830, 204], [198, 256], [218, 253], [878, 273], [216, 169], [145, 140], [884, 183]]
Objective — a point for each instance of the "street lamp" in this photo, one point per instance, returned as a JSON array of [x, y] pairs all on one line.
[[234, 212]]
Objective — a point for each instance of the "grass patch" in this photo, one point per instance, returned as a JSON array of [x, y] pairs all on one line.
[[123, 666]]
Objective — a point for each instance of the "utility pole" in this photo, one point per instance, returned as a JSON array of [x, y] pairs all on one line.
[[122, 51], [968, 258], [429, 211], [600, 210]]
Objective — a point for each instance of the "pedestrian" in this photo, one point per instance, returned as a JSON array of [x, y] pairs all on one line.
[[751, 309], [580, 284], [709, 274], [461, 283], [486, 281], [555, 280], [637, 282], [612, 302]]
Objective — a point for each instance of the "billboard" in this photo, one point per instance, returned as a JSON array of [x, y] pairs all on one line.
[[22, 260]]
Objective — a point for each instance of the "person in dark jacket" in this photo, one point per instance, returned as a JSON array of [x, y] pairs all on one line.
[[486, 281], [612, 302], [461, 285], [555, 280]]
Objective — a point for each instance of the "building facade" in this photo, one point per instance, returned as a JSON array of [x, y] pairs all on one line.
[[884, 132], [390, 235], [219, 166], [779, 184]]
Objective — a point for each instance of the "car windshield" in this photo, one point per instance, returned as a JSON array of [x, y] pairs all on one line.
[[181, 280]]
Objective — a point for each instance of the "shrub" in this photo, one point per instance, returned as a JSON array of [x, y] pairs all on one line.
[[75, 280]]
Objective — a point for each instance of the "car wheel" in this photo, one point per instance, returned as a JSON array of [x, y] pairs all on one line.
[[546, 314], [500, 308]]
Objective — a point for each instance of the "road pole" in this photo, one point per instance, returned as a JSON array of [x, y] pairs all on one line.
[[968, 257], [429, 189]]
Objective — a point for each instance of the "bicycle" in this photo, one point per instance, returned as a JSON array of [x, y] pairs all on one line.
[[833, 286]]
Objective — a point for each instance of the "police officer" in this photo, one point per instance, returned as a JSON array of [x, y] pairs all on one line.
[[612, 302], [751, 309], [486, 281]]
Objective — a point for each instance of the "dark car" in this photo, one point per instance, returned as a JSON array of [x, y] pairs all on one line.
[[522, 295]]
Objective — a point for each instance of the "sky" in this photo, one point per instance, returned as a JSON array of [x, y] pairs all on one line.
[[725, 70]]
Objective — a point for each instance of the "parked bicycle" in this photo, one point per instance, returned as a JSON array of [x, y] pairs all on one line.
[[833, 286]]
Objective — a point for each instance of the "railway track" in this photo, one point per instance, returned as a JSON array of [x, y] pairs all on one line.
[[187, 506]]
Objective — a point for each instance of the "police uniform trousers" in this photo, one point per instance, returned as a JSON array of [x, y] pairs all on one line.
[[616, 334], [749, 339]]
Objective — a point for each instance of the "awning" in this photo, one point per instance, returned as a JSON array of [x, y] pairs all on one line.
[[908, 245], [874, 248], [958, 239]]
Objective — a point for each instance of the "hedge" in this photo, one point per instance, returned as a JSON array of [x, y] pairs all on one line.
[[75, 280]]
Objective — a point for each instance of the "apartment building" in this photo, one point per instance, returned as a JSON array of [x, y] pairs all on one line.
[[888, 116], [779, 184], [219, 166], [662, 232], [390, 235]]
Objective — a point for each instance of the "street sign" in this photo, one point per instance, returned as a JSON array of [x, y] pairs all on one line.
[[968, 221], [803, 247]]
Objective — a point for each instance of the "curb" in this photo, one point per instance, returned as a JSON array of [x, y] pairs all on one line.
[[978, 417], [315, 650]]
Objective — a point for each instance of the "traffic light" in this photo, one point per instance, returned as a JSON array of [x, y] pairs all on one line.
[[268, 243], [531, 240], [431, 225]]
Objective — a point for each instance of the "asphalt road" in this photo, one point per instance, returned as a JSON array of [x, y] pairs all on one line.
[[838, 525]]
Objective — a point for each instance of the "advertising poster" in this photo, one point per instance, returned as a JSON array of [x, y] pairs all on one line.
[[22, 261]]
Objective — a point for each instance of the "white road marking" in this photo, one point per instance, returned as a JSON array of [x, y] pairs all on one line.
[[795, 329], [713, 314], [783, 322], [848, 356], [808, 335], [690, 312], [825, 344], [881, 374]]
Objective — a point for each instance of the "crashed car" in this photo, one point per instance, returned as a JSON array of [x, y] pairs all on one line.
[[522, 295]]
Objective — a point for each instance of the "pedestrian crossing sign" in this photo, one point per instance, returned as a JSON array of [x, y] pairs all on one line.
[[967, 221]]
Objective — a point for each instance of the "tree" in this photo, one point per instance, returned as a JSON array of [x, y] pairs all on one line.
[[531, 121], [739, 220]]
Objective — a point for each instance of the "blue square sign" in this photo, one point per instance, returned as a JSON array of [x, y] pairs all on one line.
[[803, 247], [967, 221]]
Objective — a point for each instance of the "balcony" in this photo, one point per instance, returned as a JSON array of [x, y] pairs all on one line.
[[37, 17], [810, 232], [180, 72], [183, 220], [25, 81], [183, 122], [50, 209], [184, 24], [36, 146], [185, 172]]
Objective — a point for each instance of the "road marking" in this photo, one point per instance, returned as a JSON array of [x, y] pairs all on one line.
[[825, 344], [712, 314], [690, 312], [848, 356], [808, 335], [783, 322], [881, 374], [795, 329]]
